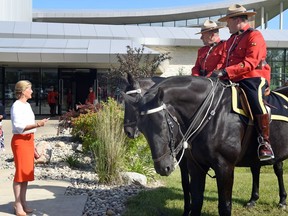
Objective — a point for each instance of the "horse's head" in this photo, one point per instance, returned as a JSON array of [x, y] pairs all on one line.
[[135, 89], [130, 119], [158, 127]]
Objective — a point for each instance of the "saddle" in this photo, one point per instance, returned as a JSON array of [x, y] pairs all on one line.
[[244, 103], [276, 104]]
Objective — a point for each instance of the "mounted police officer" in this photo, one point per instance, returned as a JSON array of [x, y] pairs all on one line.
[[245, 64], [210, 56]]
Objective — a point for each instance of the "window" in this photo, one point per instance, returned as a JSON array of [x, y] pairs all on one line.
[[277, 59]]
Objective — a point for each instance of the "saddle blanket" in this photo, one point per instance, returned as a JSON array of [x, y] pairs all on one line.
[[277, 102]]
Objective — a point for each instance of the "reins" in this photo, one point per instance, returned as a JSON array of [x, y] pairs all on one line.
[[191, 133], [202, 124]]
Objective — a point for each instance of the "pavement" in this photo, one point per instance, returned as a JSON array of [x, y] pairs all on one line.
[[46, 197]]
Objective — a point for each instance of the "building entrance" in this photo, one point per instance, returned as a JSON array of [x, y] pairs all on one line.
[[76, 82]]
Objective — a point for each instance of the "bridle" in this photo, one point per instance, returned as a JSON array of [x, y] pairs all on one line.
[[133, 123], [169, 121], [135, 91], [201, 118]]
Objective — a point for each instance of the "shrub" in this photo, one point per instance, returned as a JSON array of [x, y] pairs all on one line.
[[102, 134], [108, 147], [65, 120], [138, 157], [73, 161], [83, 127]]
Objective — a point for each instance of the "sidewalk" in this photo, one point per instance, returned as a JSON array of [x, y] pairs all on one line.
[[46, 197]]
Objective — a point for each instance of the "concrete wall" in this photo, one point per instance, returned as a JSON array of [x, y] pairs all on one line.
[[183, 59], [16, 10]]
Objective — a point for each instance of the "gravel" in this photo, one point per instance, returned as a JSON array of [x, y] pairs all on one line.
[[102, 199]]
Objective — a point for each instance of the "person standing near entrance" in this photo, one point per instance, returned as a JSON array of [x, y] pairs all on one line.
[[211, 55], [22, 144], [52, 100], [245, 64], [69, 100], [91, 96]]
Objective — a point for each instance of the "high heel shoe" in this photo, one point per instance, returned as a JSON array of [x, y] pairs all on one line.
[[28, 210], [23, 213]]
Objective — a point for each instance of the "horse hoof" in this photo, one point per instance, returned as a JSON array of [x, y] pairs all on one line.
[[282, 206], [250, 205]]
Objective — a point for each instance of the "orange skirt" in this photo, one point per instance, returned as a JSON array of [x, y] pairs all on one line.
[[23, 150]]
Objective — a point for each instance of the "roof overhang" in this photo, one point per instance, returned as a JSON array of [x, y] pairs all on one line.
[[87, 52], [138, 16]]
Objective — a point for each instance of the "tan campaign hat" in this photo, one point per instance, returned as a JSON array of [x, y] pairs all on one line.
[[236, 10], [209, 25]]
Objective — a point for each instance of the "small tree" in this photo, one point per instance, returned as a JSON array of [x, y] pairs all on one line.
[[137, 64]]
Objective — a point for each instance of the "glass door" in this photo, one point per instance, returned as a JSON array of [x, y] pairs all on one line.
[[75, 85]]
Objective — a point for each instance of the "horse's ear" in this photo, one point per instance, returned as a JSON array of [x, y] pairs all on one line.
[[160, 94], [128, 98], [130, 78]]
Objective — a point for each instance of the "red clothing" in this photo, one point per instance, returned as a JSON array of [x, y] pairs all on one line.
[[23, 150], [52, 97], [91, 97], [210, 61], [246, 54], [69, 98]]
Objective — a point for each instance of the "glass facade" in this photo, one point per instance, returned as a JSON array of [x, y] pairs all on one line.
[[200, 20], [41, 80], [78, 80], [277, 59]]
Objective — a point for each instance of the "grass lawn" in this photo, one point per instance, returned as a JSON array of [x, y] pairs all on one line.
[[168, 200]]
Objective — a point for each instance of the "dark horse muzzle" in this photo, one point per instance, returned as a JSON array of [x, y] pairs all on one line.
[[165, 163]]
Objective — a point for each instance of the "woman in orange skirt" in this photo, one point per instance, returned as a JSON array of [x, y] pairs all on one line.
[[22, 144]]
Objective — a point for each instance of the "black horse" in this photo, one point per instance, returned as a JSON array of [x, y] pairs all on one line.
[[202, 108], [136, 89]]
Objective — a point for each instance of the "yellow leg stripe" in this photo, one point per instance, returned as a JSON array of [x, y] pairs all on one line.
[[264, 111]]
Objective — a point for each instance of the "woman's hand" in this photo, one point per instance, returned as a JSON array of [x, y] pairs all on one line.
[[42, 122]]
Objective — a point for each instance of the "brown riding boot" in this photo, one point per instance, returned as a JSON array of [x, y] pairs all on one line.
[[265, 151]]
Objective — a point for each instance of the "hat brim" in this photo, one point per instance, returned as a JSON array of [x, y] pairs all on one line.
[[249, 14], [210, 29]]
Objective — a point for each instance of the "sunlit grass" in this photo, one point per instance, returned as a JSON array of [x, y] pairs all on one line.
[[168, 200]]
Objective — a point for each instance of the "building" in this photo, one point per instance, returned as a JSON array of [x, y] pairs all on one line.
[[73, 49]]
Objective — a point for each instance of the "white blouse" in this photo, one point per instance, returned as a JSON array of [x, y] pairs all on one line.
[[21, 116]]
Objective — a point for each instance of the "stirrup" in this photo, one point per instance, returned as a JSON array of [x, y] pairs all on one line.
[[265, 157]]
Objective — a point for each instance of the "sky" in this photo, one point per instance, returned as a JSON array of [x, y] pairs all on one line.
[[115, 4], [134, 4]]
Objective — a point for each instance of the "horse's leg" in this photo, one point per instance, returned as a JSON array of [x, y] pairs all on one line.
[[278, 170], [225, 178], [197, 185], [255, 170], [185, 185]]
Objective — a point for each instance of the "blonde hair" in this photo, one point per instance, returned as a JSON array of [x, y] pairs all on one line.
[[21, 86]]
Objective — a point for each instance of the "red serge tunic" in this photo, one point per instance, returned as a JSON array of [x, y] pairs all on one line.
[[210, 58], [246, 54]]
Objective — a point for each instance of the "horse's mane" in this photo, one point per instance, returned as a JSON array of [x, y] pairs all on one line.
[[174, 82]]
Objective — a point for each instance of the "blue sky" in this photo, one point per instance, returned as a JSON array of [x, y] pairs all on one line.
[[133, 4], [114, 4]]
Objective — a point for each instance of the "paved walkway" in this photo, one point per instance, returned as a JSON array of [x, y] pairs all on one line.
[[46, 197]]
